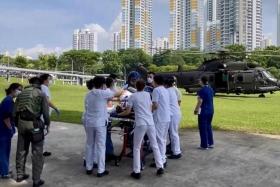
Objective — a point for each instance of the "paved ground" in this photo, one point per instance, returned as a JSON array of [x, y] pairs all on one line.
[[239, 160]]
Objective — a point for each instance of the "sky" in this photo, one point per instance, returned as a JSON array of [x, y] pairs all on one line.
[[46, 26]]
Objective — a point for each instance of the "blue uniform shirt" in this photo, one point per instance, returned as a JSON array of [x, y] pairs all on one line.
[[6, 111], [206, 93]]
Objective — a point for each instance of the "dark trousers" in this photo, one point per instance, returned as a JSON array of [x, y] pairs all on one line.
[[5, 149], [23, 145], [205, 130], [109, 143]]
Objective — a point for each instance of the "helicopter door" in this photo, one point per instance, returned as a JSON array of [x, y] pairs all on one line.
[[244, 82], [221, 80]]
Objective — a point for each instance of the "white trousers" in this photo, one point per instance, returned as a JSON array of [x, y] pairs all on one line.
[[96, 147], [162, 132], [174, 134], [139, 133]]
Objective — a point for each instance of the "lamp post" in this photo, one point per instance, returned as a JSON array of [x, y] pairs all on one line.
[[8, 72]]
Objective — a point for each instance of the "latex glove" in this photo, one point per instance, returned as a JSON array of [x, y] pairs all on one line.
[[57, 111], [47, 130]]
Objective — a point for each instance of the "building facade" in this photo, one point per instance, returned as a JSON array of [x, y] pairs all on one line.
[[213, 26], [266, 42], [278, 24], [187, 24], [84, 40], [136, 29], [160, 45], [241, 23], [116, 41]]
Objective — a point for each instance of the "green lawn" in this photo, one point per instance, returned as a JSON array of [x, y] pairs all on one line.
[[237, 113]]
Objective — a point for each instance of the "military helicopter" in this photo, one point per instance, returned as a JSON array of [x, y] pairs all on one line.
[[228, 76]]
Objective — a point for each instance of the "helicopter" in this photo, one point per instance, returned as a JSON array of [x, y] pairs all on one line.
[[228, 76]]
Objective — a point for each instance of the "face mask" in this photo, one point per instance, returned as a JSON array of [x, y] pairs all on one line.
[[50, 82], [17, 92], [150, 80]]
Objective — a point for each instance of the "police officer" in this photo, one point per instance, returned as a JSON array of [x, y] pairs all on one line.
[[29, 107], [205, 111]]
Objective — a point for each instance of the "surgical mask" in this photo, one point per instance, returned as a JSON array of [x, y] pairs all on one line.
[[150, 80], [17, 92]]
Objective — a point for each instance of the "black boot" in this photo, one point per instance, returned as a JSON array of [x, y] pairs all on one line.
[[103, 174], [160, 171], [40, 183], [135, 175], [22, 178], [174, 156]]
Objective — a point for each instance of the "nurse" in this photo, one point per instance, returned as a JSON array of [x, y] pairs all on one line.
[[7, 127], [161, 109], [175, 119], [95, 121], [205, 111], [141, 103]]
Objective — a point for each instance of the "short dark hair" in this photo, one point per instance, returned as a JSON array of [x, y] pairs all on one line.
[[12, 88], [89, 84], [140, 85], [158, 79], [169, 81], [98, 82], [44, 77], [150, 72], [35, 80], [113, 76], [109, 82], [204, 80]]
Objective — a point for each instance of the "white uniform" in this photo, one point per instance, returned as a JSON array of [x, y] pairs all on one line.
[[178, 93], [45, 89], [162, 115], [95, 119], [175, 121], [142, 105]]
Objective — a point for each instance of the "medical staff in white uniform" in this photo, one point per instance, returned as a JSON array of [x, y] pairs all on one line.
[[46, 81], [175, 119], [95, 120], [161, 109], [141, 103]]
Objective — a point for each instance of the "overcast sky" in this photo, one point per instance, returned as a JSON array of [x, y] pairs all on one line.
[[35, 26]]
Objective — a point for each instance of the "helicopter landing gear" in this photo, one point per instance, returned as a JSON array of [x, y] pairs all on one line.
[[261, 96]]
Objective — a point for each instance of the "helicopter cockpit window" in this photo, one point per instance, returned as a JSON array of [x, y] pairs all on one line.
[[268, 75], [240, 78]]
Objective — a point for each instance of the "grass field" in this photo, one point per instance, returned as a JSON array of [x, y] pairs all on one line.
[[246, 113]]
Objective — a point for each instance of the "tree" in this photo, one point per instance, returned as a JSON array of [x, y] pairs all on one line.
[[131, 58], [48, 61], [237, 51], [20, 62], [82, 60], [112, 62]]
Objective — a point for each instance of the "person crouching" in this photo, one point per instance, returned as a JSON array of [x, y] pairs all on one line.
[[95, 121], [141, 103]]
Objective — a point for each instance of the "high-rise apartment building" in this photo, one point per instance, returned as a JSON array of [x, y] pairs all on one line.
[[241, 23], [116, 41], [278, 24], [84, 39], [136, 29], [213, 26], [160, 44], [187, 24]]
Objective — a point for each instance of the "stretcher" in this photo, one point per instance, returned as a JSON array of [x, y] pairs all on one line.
[[127, 125]]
